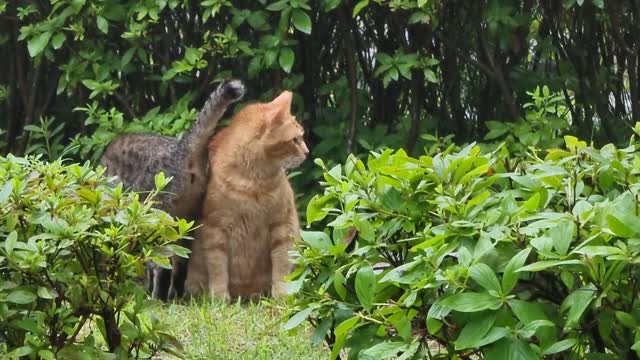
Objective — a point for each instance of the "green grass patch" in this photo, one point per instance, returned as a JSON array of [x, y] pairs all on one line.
[[213, 329]]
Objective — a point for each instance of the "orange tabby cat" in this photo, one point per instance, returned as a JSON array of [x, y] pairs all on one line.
[[249, 217]]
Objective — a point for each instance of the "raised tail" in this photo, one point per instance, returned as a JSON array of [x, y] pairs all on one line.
[[195, 141]]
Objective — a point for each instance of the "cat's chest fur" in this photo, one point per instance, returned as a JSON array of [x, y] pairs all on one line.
[[258, 203]]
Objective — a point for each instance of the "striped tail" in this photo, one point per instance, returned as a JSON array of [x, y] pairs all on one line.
[[194, 142]]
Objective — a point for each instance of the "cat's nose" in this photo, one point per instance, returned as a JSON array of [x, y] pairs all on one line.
[[305, 150]]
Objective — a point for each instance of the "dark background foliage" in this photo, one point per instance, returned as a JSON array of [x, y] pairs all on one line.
[[367, 73]]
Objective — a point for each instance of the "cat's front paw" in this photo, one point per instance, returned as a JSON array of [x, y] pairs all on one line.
[[220, 295], [219, 292], [279, 289], [232, 90]]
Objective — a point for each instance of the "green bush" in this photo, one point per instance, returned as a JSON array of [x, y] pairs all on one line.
[[466, 254], [546, 118], [71, 251]]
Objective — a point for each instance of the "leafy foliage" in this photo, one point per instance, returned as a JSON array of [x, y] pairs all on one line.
[[72, 248], [45, 140], [501, 256], [366, 72], [547, 117]]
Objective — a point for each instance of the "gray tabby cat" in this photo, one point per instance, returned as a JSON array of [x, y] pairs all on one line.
[[136, 158]]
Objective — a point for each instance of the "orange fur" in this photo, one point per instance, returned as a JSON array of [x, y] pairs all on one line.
[[249, 216]]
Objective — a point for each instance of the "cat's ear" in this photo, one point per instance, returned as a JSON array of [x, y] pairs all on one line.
[[283, 101], [281, 106]]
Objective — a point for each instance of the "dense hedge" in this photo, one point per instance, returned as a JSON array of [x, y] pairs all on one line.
[[464, 252], [72, 251]]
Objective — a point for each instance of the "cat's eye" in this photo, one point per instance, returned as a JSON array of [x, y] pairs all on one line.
[[296, 141]]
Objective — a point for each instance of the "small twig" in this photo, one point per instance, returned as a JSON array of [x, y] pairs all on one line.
[[126, 105]]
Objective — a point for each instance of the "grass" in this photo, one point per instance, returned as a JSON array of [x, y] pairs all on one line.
[[213, 329]]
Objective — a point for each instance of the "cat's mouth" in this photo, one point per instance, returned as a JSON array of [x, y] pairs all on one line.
[[291, 163]]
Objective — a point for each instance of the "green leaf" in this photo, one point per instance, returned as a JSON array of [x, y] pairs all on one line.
[[365, 229], [90, 84], [572, 142], [623, 223], [399, 274], [402, 322], [337, 347], [393, 73], [494, 335], [286, 59], [58, 40], [532, 203], [38, 43], [433, 325], [102, 23], [577, 302], [510, 349], [46, 293], [126, 58], [178, 250], [529, 329], [405, 71], [359, 6], [419, 17], [46, 354], [567, 279], [560, 346], [545, 264], [7, 189], [430, 76], [161, 181], [384, 58], [316, 208], [485, 277], [317, 239], [255, 66], [330, 4], [626, 319], [320, 332], [510, 276], [366, 286], [392, 199], [301, 21], [471, 302], [527, 311], [21, 351], [28, 325], [258, 20], [474, 331], [346, 325], [298, 318], [599, 251], [10, 242], [410, 352], [562, 235], [341, 332], [338, 284], [522, 351], [21, 296], [278, 5], [385, 350]]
